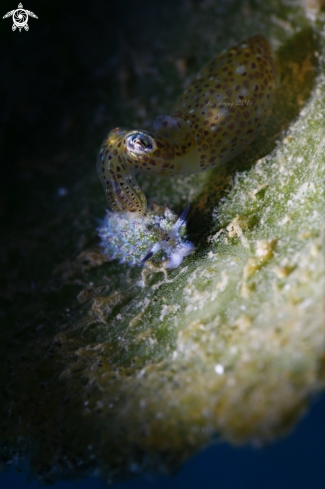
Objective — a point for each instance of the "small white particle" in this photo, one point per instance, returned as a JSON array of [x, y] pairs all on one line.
[[219, 369], [134, 467], [62, 191], [240, 69]]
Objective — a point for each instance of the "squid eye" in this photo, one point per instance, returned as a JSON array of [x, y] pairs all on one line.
[[139, 142]]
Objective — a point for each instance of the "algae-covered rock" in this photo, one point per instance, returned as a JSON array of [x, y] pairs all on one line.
[[126, 369]]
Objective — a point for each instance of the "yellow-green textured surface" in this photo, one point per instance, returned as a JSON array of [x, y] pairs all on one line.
[[121, 368]]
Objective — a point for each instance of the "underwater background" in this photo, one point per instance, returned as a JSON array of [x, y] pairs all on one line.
[[81, 69]]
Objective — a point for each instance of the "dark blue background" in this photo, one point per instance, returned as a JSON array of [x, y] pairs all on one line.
[[295, 462]]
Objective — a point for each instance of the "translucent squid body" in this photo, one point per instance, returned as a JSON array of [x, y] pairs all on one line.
[[219, 114]]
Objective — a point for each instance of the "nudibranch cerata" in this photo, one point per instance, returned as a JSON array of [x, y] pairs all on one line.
[[219, 114]]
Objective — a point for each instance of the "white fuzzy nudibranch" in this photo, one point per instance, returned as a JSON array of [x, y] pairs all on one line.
[[173, 244], [159, 236]]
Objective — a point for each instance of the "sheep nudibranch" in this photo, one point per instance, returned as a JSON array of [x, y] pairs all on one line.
[[219, 114]]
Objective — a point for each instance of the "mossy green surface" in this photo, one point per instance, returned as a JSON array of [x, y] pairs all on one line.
[[125, 369]]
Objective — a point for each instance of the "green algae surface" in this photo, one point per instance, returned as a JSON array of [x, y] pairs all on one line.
[[126, 369]]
